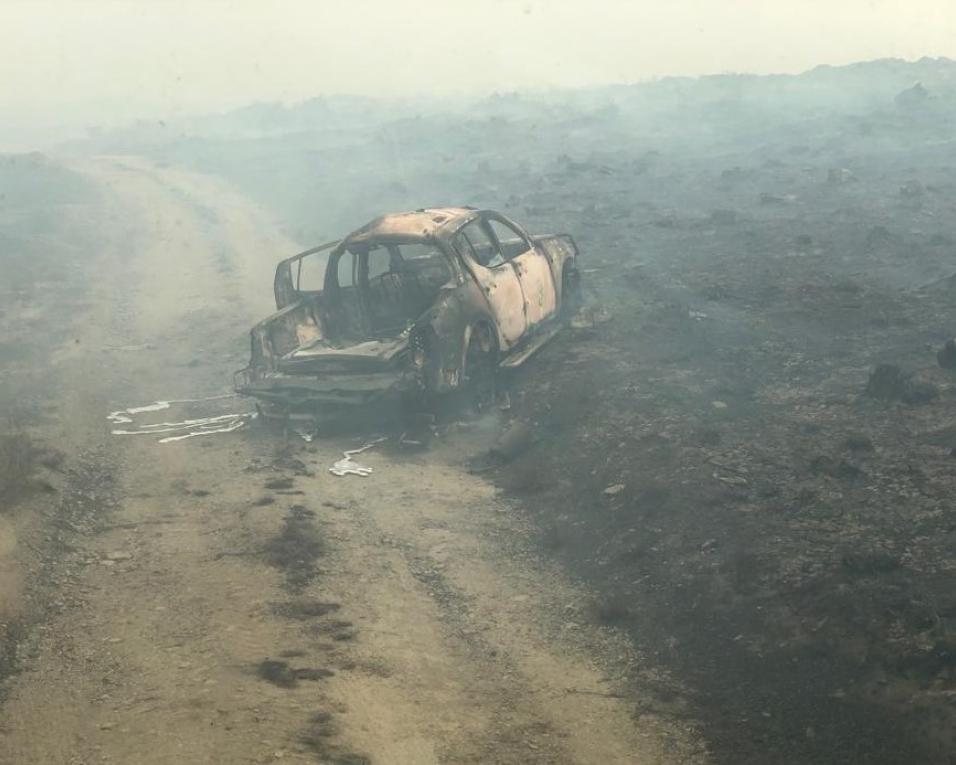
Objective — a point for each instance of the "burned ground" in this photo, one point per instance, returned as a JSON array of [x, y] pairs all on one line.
[[713, 457], [769, 521]]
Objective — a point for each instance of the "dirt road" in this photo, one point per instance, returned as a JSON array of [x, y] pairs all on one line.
[[226, 600]]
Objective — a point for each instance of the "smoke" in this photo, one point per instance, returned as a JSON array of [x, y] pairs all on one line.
[[104, 61]]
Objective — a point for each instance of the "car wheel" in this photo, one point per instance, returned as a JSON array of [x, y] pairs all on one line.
[[571, 296], [481, 368]]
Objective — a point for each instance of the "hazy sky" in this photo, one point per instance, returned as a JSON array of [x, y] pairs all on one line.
[[108, 60]]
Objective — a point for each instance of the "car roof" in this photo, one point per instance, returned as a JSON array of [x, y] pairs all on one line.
[[418, 224]]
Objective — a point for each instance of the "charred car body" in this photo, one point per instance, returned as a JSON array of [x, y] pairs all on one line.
[[415, 302]]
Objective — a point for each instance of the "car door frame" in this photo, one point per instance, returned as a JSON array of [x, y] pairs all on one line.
[[500, 286], [534, 272]]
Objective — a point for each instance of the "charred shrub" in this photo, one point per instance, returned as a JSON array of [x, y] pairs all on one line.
[[19, 458]]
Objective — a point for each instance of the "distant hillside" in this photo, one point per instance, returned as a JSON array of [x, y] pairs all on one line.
[[840, 89], [324, 163]]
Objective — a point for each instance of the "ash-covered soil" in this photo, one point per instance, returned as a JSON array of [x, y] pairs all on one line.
[[712, 458]]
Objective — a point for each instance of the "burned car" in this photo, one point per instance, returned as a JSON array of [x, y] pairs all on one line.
[[420, 302]]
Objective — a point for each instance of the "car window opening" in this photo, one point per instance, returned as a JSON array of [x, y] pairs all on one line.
[[380, 288]]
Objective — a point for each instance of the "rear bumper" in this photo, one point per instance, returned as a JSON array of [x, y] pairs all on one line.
[[299, 392]]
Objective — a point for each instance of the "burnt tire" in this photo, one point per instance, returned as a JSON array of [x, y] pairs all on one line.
[[481, 369], [572, 297]]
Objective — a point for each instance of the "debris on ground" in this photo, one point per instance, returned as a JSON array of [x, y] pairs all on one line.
[[348, 466], [188, 428]]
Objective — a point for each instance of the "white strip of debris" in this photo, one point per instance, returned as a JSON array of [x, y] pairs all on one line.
[[348, 466], [190, 428]]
